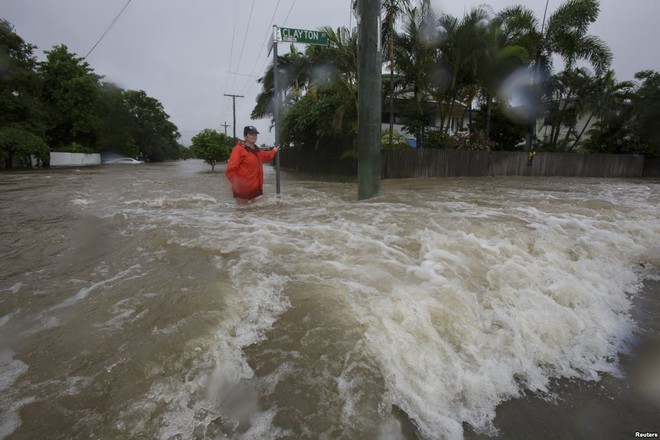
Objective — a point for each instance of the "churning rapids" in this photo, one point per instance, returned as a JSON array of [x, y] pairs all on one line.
[[141, 302]]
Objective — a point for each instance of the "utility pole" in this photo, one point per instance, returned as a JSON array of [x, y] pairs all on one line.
[[225, 125], [369, 99], [233, 99]]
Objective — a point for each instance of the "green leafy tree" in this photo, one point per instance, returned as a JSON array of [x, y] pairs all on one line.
[[646, 108], [320, 94], [22, 144], [467, 45], [185, 153], [416, 59], [627, 115], [72, 98], [21, 112], [294, 71], [602, 96], [505, 133], [564, 34], [393, 141], [211, 146], [150, 127], [336, 74], [115, 131], [392, 10], [320, 70]]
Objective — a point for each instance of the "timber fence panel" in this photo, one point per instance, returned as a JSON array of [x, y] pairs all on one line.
[[651, 167], [459, 163]]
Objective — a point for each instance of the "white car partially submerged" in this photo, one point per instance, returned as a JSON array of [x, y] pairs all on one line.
[[123, 160]]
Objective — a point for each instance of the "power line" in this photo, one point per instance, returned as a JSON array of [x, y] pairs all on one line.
[[247, 86], [247, 29], [244, 74], [290, 9], [264, 65], [108, 29], [231, 53], [268, 37]]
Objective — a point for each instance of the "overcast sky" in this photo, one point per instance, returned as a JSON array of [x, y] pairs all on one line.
[[189, 53]]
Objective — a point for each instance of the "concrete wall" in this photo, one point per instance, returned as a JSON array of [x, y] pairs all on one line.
[[58, 159]]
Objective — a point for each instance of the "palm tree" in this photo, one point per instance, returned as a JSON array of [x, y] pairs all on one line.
[[467, 46], [335, 71], [415, 58], [392, 10], [568, 88], [565, 36], [605, 95], [294, 80]]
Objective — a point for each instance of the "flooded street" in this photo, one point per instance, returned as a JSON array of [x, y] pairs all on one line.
[[140, 302]]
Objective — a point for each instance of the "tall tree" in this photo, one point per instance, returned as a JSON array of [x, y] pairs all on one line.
[[416, 60], [603, 95], [72, 98], [21, 112], [467, 47], [154, 134], [115, 134], [319, 72], [294, 71], [392, 10], [646, 107], [564, 35], [211, 146]]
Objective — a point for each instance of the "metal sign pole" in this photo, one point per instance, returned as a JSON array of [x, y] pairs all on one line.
[[289, 35], [276, 107]]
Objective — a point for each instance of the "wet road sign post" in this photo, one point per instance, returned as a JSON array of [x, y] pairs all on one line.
[[288, 35]]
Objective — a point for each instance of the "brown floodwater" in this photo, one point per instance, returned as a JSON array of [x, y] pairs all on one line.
[[140, 302]]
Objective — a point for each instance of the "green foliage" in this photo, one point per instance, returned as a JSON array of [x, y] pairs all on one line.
[[16, 142], [611, 135], [211, 146], [71, 95], [646, 107], [307, 119], [320, 89], [459, 141], [21, 111], [504, 132], [628, 119], [62, 101], [185, 153], [116, 131], [471, 141], [437, 139], [398, 141], [150, 127], [75, 147]]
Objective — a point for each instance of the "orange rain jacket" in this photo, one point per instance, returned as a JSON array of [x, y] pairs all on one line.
[[245, 172]]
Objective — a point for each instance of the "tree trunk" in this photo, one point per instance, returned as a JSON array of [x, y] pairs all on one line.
[[577, 139], [488, 115]]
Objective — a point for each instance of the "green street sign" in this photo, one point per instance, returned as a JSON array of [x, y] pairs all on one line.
[[289, 35]]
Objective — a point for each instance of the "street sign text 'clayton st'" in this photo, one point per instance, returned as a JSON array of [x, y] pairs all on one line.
[[289, 35]]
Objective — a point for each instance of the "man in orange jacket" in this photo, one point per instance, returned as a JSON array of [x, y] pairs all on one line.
[[244, 170]]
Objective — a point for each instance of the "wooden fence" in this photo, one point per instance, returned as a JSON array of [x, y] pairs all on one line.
[[453, 163], [651, 167]]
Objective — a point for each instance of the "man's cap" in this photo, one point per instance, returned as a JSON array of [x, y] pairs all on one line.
[[250, 129]]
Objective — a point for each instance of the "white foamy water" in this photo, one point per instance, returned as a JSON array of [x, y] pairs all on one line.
[[317, 316]]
